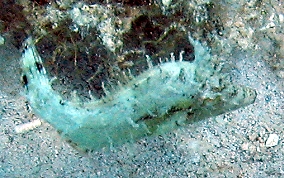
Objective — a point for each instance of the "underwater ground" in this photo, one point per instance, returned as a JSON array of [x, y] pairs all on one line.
[[248, 142]]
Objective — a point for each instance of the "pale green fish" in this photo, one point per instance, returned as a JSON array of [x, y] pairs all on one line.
[[160, 99]]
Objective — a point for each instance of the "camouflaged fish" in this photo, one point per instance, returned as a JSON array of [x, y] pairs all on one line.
[[160, 99]]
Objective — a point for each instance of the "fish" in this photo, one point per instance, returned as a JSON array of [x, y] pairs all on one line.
[[160, 99]]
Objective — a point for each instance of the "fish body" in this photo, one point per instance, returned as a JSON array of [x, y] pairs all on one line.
[[160, 99]]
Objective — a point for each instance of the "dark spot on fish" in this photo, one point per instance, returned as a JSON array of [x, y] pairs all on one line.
[[25, 80], [181, 76], [61, 102], [174, 109], [147, 117], [38, 66]]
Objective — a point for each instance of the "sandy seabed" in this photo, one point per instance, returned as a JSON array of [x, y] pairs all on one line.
[[247, 142]]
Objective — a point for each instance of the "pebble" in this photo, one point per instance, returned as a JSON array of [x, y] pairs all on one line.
[[280, 73], [245, 146], [272, 140], [27, 126]]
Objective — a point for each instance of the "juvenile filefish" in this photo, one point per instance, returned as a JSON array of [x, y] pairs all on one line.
[[160, 99]]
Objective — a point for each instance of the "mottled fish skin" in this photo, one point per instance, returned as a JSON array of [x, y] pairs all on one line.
[[162, 98]]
